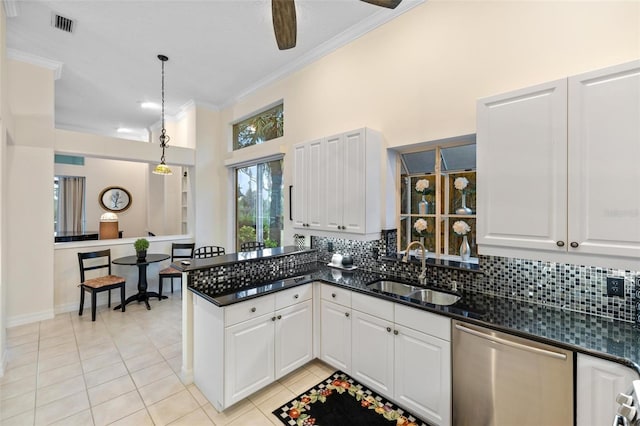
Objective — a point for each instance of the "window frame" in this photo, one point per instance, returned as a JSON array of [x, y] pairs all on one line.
[[234, 146]]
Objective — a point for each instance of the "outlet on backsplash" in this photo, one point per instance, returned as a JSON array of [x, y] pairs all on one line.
[[615, 286]]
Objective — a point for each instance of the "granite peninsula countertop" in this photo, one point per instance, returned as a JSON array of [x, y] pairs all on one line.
[[610, 339]]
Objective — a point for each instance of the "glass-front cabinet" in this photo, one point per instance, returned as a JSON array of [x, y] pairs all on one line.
[[438, 201]]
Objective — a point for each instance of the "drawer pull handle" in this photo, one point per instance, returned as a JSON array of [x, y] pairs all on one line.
[[395, 332], [346, 314], [333, 295], [388, 329], [253, 309], [296, 296]]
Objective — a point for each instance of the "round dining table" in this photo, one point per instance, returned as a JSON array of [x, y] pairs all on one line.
[[143, 295]]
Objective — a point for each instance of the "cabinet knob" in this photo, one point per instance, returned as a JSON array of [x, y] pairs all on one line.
[[574, 244], [333, 295], [346, 314], [296, 296], [560, 243], [279, 316], [253, 309], [395, 332], [273, 318], [389, 329]]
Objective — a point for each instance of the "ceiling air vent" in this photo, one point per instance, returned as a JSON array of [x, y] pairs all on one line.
[[62, 23]]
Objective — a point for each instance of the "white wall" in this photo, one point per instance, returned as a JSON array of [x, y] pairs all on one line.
[[4, 129], [417, 78]]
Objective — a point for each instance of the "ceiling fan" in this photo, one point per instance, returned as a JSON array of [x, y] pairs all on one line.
[[284, 19]]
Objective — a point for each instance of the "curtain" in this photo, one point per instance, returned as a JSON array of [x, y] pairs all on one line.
[[70, 204]]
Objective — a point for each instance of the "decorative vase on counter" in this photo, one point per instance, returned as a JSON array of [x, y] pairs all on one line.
[[423, 206], [463, 209], [465, 250]]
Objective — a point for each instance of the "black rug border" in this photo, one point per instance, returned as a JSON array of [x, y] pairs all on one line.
[[281, 412]]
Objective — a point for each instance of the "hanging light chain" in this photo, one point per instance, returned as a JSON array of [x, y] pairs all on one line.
[[164, 138]]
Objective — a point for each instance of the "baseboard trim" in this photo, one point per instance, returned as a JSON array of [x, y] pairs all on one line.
[[29, 318]]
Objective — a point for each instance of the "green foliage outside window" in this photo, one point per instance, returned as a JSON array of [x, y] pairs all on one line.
[[259, 128]]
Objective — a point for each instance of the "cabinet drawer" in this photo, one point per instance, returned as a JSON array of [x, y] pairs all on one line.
[[250, 309], [372, 306], [426, 322], [292, 296], [336, 295]]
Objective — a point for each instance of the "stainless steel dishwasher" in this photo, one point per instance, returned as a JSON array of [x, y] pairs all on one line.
[[504, 380]]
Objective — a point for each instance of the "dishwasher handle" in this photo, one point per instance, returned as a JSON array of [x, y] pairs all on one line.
[[510, 343]]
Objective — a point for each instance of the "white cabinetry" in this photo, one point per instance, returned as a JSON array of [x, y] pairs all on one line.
[[598, 383], [401, 352], [241, 348], [335, 327], [336, 183], [557, 166]]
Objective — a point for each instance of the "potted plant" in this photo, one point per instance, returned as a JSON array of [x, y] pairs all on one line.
[[141, 245]]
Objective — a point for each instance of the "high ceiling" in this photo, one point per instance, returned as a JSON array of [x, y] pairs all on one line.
[[219, 50]]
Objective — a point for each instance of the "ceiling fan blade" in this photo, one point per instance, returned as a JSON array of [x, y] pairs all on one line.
[[284, 23], [389, 4]]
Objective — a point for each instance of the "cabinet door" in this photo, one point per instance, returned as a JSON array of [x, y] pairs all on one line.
[[335, 336], [522, 168], [335, 182], [354, 188], [294, 337], [597, 385], [299, 199], [423, 375], [604, 148], [316, 189], [249, 357], [372, 352]]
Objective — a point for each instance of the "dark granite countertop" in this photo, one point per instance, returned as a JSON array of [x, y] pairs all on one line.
[[614, 340], [230, 258]]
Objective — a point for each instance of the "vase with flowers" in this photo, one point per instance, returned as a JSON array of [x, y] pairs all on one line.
[[422, 187], [420, 227], [461, 183], [462, 228]]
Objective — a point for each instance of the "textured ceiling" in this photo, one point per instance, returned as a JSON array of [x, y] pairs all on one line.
[[218, 51]]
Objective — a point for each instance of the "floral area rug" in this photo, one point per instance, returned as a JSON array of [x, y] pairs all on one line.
[[340, 400]]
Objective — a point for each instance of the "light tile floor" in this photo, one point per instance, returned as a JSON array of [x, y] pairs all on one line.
[[122, 369]]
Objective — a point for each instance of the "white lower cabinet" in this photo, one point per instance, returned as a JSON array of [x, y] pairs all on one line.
[[400, 352], [335, 335], [240, 348], [598, 383]]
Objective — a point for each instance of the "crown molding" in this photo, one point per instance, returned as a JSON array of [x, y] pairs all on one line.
[[55, 66], [347, 36], [10, 8]]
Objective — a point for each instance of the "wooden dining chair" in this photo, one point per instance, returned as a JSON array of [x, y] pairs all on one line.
[[208, 251], [89, 261], [178, 251], [251, 245]]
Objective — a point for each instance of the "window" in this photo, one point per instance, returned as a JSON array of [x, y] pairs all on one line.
[[440, 203], [68, 204], [259, 201], [259, 128]]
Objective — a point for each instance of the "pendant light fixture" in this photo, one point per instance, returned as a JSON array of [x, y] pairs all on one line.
[[162, 168]]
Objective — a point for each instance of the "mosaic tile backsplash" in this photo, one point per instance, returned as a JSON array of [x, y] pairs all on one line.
[[574, 287]]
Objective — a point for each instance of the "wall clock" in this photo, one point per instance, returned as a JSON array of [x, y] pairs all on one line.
[[115, 199]]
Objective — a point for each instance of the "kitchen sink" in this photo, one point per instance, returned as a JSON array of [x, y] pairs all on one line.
[[435, 297], [416, 293], [393, 287]]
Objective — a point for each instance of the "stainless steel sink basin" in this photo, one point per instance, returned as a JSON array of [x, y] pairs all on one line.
[[393, 287], [434, 296], [416, 293]]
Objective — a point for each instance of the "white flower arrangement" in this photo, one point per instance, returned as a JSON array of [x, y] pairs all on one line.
[[461, 183], [461, 227], [420, 226], [422, 186]]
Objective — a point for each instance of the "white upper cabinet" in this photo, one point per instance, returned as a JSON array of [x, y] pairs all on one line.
[[522, 168], [604, 167], [337, 183], [558, 167]]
